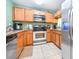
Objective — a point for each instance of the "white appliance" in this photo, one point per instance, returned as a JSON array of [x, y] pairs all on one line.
[[39, 37]]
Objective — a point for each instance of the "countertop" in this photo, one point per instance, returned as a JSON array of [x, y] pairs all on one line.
[[16, 31], [13, 32]]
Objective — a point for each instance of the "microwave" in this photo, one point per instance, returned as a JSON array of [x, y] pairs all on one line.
[[39, 18]]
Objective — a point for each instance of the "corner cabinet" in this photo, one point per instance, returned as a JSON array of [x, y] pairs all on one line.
[[56, 37], [18, 14]]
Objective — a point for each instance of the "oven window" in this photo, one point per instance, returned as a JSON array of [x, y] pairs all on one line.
[[40, 35]]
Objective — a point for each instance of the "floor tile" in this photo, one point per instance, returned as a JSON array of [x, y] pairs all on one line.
[[45, 51]]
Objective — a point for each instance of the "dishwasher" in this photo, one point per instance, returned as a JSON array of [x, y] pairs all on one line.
[[11, 42]]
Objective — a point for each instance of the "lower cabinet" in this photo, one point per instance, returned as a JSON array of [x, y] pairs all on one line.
[[24, 38], [48, 35], [53, 36], [56, 38], [28, 38], [20, 44]]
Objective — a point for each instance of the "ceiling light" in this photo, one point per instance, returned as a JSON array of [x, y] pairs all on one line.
[[39, 2]]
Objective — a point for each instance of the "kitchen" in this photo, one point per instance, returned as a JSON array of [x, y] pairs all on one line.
[[33, 29]]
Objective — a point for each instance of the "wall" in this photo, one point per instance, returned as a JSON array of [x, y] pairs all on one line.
[[9, 6]]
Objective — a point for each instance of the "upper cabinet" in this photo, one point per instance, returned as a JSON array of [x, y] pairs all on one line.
[[49, 17], [28, 15], [39, 12], [18, 14], [57, 14]]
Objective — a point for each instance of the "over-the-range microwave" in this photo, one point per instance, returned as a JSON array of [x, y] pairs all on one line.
[[39, 18]]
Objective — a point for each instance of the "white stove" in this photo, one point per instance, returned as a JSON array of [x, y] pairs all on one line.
[[39, 37]]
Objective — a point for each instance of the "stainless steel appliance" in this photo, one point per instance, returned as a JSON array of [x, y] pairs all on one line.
[[17, 26], [11, 43], [39, 27], [39, 37], [39, 18], [67, 29]]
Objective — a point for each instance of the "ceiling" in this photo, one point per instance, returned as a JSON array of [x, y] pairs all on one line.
[[44, 5]]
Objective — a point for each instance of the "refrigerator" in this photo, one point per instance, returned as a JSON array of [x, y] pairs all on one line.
[[67, 29]]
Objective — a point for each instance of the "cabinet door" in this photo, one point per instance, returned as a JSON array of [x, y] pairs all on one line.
[[18, 14], [48, 37], [52, 36], [28, 37], [20, 44], [55, 20], [39, 12], [29, 40], [49, 17], [28, 15], [25, 37], [58, 40]]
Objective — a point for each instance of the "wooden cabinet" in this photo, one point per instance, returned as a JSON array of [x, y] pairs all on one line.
[[57, 39], [49, 17], [28, 37], [28, 15], [20, 43], [48, 35], [39, 12], [60, 40], [21, 14], [55, 20], [18, 14], [53, 36]]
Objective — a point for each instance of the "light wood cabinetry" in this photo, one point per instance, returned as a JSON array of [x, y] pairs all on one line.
[[55, 20], [28, 15], [20, 43], [39, 12], [53, 36], [24, 38], [56, 37], [49, 17], [28, 37], [48, 35], [57, 40], [18, 14], [57, 14]]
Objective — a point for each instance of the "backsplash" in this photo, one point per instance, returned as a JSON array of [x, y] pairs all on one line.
[[27, 26]]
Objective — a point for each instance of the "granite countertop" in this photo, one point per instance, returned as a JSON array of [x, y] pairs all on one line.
[[13, 32]]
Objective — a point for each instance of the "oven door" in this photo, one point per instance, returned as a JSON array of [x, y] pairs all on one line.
[[39, 35]]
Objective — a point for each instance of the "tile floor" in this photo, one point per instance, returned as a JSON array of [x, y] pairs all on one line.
[[45, 51]]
